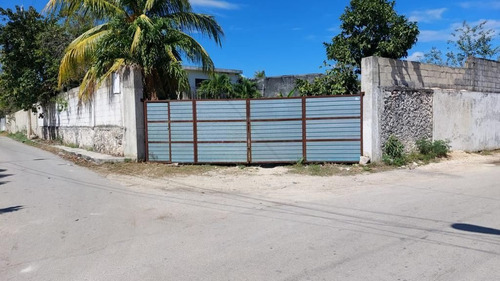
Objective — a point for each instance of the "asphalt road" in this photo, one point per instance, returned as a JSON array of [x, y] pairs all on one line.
[[63, 222]]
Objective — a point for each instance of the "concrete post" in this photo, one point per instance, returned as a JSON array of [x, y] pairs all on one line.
[[372, 104], [133, 114]]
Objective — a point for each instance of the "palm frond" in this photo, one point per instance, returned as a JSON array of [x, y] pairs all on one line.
[[80, 52], [88, 86], [163, 8], [193, 22], [190, 48], [101, 8], [135, 41], [119, 63]]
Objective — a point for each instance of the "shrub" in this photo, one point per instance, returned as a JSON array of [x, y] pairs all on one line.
[[438, 148], [394, 152], [441, 148]]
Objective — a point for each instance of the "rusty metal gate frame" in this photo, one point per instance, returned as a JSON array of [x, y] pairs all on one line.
[[248, 121]]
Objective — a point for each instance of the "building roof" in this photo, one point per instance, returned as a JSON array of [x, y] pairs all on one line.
[[217, 70]]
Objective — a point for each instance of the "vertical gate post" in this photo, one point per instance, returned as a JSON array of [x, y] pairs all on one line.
[[195, 133], [169, 133], [249, 133], [304, 133], [146, 137], [361, 96]]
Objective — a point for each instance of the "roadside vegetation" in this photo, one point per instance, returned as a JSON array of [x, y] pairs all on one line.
[[368, 28], [426, 152]]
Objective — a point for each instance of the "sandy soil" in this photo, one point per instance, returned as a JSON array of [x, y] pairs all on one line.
[[279, 182]]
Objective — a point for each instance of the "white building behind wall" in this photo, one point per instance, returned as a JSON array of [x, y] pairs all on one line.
[[196, 76]]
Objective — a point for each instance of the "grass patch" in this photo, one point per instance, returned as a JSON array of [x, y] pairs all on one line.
[[326, 170], [153, 170], [21, 137]]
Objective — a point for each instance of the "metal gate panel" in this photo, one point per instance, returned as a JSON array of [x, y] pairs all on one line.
[[314, 129], [338, 151], [277, 130], [182, 152], [221, 110], [222, 152], [269, 109], [157, 128], [333, 129], [344, 106], [222, 132], [276, 152]]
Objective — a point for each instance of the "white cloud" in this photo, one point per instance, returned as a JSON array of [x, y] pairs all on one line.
[[434, 35], [427, 15], [214, 4], [417, 56], [495, 5], [445, 34]]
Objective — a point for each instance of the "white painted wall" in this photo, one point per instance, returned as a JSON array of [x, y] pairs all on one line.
[[470, 120], [466, 101], [112, 121]]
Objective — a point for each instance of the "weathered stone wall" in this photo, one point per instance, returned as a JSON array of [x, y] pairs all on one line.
[[414, 100], [104, 139], [407, 115], [271, 87]]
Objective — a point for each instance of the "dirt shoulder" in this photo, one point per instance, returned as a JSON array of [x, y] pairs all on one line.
[[283, 182]]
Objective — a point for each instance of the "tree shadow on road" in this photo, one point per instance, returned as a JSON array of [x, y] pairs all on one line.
[[3, 175], [10, 209], [475, 228]]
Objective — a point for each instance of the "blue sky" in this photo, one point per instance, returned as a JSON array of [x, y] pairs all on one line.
[[286, 37]]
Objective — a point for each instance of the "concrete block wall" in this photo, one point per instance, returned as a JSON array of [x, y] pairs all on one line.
[[463, 103], [479, 75]]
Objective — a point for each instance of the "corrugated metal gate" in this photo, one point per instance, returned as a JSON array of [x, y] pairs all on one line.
[[281, 130]]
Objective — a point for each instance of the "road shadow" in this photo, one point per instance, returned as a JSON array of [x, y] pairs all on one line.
[[10, 209], [475, 228], [3, 175]]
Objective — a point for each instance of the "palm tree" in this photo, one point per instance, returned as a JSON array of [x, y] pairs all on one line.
[[246, 89], [219, 86], [151, 35]]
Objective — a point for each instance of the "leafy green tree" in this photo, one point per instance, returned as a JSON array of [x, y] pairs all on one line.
[[339, 80], [368, 28], [218, 87], [27, 75], [467, 41], [246, 89], [371, 28], [151, 35], [32, 48]]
